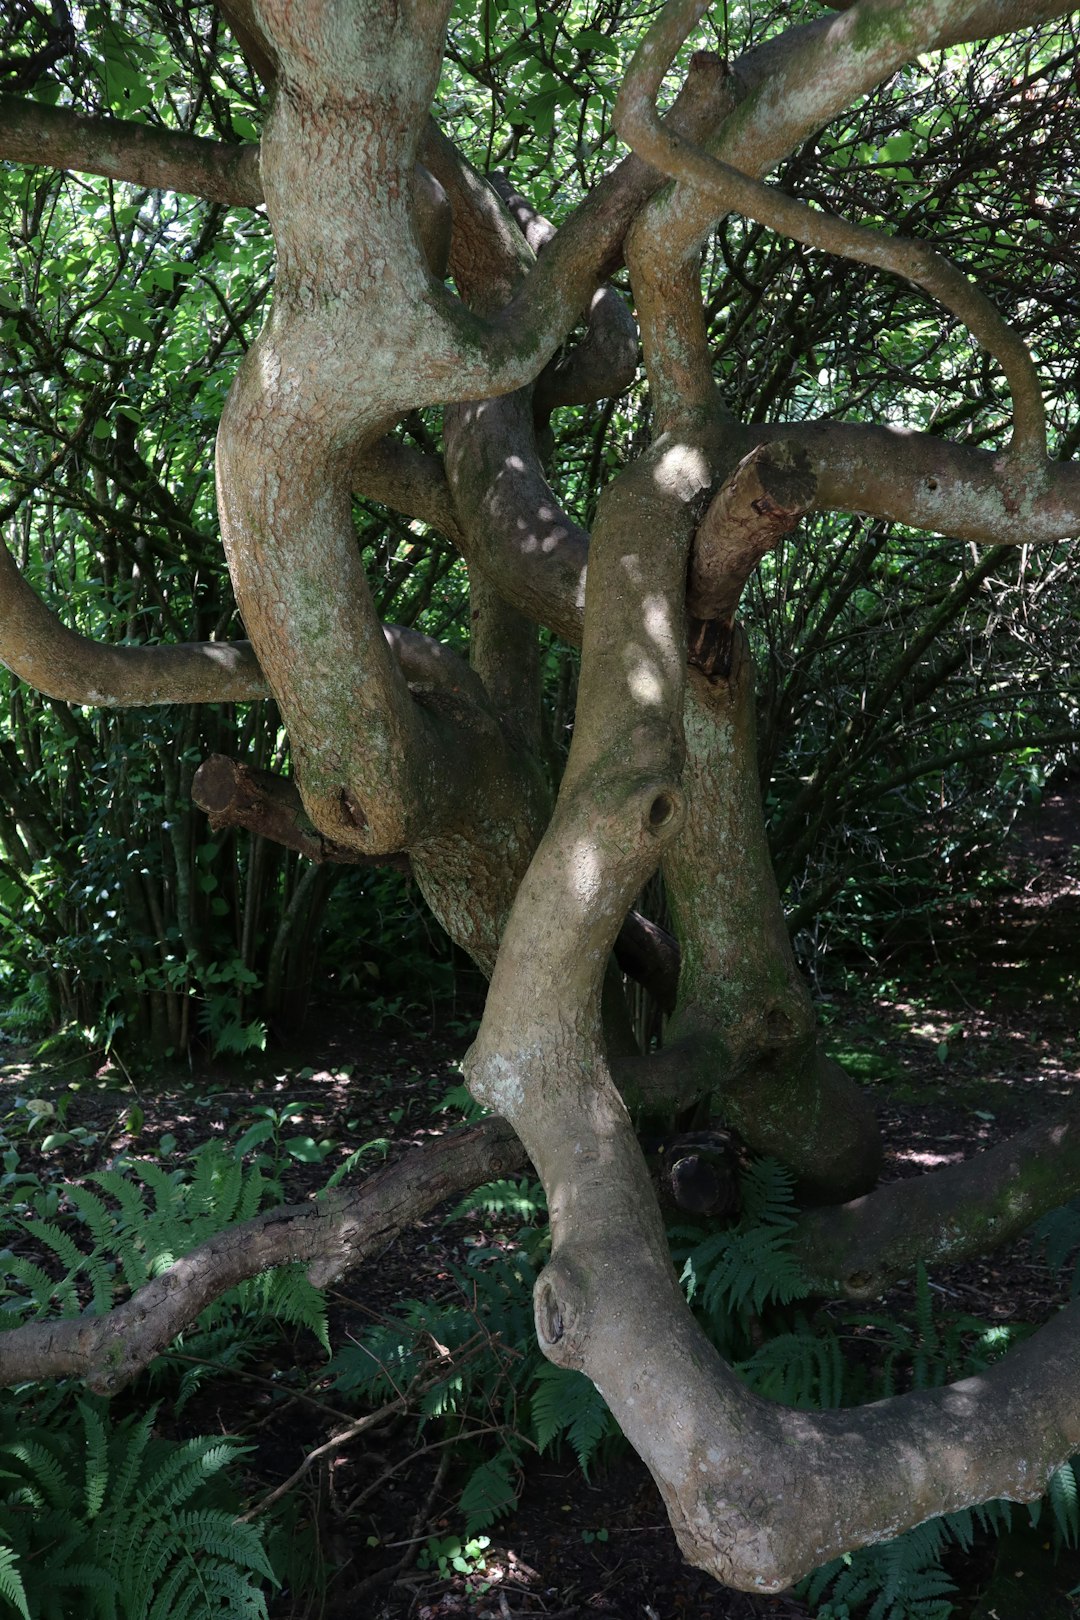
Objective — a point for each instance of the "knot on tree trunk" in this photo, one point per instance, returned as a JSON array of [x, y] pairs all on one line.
[[562, 1311]]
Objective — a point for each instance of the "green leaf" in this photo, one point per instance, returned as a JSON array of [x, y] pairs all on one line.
[[490, 1491], [305, 1149], [899, 147], [261, 1131], [135, 326]]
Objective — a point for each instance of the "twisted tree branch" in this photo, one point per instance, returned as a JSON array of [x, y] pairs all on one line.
[[330, 1236]]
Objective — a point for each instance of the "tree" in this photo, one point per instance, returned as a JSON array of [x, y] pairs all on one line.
[[398, 747]]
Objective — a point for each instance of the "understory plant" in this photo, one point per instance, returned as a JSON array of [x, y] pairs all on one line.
[[100, 1515], [101, 1518], [486, 1383], [83, 1486]]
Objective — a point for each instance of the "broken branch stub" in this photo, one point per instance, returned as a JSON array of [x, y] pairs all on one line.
[[234, 794], [765, 496]]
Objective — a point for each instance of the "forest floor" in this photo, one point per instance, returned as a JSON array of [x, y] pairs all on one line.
[[977, 1043]]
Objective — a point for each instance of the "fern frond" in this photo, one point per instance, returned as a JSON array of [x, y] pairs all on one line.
[[358, 1156], [567, 1405], [61, 1243], [166, 1484], [523, 1200], [127, 1193], [750, 1264], [129, 1441], [96, 1472], [35, 1279], [286, 1295], [490, 1491], [257, 1191], [122, 1520], [216, 1188], [800, 1369], [768, 1197], [93, 1265], [94, 1212], [385, 1361], [43, 1471], [163, 1184], [11, 1582], [900, 1579], [1058, 1235], [1065, 1502]]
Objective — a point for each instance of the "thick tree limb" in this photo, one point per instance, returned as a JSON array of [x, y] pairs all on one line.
[[588, 248], [608, 1303], [378, 771], [928, 483], [329, 1236], [604, 362], [667, 287], [42, 651], [60, 138], [243, 19], [410, 481], [744, 1030], [601, 366], [143, 155], [513, 527], [430, 666], [648, 954], [504, 650], [517, 530], [858, 1249]]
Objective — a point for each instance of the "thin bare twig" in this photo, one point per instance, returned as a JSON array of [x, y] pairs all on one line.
[[369, 1421]]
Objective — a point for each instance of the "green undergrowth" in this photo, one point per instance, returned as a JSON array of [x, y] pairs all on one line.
[[488, 1383], [101, 1518], [102, 1514], [79, 1479]]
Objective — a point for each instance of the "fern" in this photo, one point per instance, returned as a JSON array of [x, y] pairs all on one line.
[[491, 1490], [524, 1200], [38, 1290], [989, 1517], [128, 1194], [96, 1472], [11, 1585], [139, 1222], [1064, 1497], [459, 1099], [76, 1264], [751, 1264], [353, 1160], [136, 1526], [286, 1295], [903, 1579], [801, 1369], [900, 1579], [1058, 1235], [565, 1405]]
